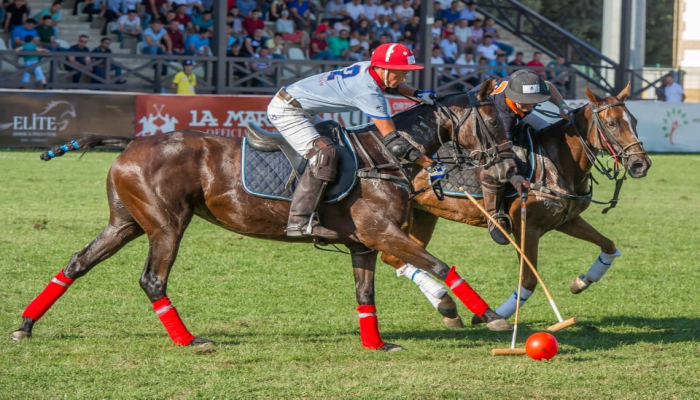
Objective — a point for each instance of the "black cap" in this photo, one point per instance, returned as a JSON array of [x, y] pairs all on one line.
[[527, 87], [188, 62]]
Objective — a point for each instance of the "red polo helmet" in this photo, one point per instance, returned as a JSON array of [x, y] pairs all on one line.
[[394, 56]]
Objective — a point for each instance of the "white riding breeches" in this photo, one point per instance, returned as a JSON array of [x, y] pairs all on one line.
[[295, 124]]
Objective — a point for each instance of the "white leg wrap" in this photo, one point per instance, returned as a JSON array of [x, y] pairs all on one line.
[[601, 266], [432, 289], [507, 309]]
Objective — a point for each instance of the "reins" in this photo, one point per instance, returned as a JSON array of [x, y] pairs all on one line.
[[620, 157], [487, 155]]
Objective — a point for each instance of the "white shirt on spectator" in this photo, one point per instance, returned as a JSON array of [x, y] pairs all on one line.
[[449, 49], [674, 93], [132, 4], [488, 52], [462, 60], [444, 4], [405, 13], [437, 32], [437, 60], [189, 5], [389, 12], [355, 10], [371, 11], [128, 25], [284, 25], [463, 34]]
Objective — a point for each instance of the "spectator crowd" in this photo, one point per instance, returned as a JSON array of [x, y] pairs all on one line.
[[347, 30]]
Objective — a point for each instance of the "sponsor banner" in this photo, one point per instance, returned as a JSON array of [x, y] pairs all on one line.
[[222, 115], [661, 126], [44, 119]]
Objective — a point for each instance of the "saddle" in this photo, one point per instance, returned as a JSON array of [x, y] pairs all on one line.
[[271, 167]]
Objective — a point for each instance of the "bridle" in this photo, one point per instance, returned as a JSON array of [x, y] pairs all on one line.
[[487, 155], [489, 152], [619, 155]]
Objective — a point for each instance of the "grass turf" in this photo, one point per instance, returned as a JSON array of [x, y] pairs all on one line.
[[283, 315]]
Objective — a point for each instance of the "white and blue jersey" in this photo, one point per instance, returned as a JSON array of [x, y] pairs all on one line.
[[347, 89]]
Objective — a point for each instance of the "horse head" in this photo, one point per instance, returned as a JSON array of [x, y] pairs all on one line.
[[613, 129], [482, 130]]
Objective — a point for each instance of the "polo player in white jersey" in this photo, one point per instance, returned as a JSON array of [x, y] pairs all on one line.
[[361, 86]]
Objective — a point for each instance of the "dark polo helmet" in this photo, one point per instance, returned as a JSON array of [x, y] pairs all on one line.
[[527, 87]]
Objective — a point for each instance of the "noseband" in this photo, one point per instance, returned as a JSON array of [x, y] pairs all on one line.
[[618, 153]]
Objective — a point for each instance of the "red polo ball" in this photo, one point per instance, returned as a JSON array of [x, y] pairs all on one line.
[[541, 346]]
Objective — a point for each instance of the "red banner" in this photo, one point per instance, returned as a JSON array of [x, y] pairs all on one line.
[[221, 115]]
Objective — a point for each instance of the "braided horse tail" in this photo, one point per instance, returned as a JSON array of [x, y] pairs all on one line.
[[88, 142]]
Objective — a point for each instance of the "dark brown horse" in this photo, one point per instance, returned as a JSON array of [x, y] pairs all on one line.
[[157, 184], [565, 158]]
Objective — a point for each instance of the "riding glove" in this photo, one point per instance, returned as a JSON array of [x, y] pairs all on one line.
[[400, 147], [436, 171], [426, 96]]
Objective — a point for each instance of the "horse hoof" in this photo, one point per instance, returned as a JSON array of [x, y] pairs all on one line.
[[453, 323], [201, 342], [476, 320], [389, 347], [21, 335], [579, 284], [499, 325], [495, 322]]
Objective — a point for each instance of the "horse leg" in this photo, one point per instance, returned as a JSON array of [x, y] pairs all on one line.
[[121, 230], [364, 261], [507, 308], [421, 226], [398, 244], [163, 247], [580, 229]]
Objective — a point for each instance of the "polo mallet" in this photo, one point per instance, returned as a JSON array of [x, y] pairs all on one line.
[[513, 351], [561, 324]]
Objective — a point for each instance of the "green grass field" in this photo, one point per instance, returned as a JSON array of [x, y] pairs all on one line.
[[283, 315]]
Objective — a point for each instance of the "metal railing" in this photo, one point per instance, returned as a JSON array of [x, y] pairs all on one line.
[[552, 40], [149, 73]]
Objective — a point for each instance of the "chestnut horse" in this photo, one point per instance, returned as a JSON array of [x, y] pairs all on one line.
[[565, 157], [158, 183]]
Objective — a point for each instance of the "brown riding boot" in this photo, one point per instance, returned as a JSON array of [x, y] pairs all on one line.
[[491, 195], [302, 214]]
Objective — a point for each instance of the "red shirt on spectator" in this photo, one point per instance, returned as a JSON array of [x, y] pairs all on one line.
[[250, 25], [176, 39], [536, 63], [321, 44], [183, 19], [230, 3]]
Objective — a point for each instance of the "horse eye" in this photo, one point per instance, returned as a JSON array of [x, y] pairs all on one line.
[[612, 123], [493, 123]]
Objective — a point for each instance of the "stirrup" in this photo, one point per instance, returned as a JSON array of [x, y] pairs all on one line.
[[506, 223]]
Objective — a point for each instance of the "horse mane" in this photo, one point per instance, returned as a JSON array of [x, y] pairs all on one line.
[[559, 124], [368, 126]]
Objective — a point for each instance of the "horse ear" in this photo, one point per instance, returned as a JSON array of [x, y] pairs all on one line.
[[592, 97], [486, 89], [625, 92]]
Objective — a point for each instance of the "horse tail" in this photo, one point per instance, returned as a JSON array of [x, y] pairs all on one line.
[[88, 142]]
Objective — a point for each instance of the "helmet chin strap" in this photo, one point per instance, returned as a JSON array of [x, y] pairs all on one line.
[[385, 78]]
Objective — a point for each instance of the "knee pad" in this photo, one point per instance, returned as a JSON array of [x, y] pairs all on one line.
[[324, 162]]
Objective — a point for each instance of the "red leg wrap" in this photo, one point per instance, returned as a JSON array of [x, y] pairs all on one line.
[[53, 291], [369, 327], [464, 292], [171, 321]]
